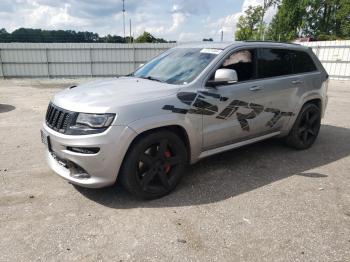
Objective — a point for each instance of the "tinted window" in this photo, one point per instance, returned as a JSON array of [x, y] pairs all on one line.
[[302, 62], [274, 62], [243, 62]]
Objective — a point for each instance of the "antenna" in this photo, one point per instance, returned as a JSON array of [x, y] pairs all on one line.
[[124, 17]]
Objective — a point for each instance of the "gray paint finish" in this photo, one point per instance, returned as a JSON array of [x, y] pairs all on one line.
[[141, 105]]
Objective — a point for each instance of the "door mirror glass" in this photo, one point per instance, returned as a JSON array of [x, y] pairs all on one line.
[[223, 77]]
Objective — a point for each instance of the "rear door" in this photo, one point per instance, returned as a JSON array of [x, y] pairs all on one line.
[[307, 77], [279, 87]]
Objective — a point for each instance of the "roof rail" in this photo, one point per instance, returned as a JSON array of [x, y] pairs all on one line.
[[269, 41]]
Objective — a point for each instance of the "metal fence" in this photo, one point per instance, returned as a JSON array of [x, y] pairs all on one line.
[[74, 59], [103, 60], [335, 57]]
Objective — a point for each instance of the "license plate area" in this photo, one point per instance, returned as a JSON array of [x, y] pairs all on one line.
[[45, 139]]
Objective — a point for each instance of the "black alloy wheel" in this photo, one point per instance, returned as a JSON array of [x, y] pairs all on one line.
[[154, 165], [306, 127]]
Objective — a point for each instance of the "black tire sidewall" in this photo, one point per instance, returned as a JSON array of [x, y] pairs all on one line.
[[128, 174], [293, 139]]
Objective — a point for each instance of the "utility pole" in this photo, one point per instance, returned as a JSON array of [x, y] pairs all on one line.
[[130, 39], [124, 17], [222, 35]]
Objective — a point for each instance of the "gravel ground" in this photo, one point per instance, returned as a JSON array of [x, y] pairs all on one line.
[[264, 202]]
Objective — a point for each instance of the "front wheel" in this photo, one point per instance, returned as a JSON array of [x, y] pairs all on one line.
[[154, 165], [306, 127]]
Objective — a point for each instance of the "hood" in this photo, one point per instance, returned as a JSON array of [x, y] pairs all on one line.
[[105, 95]]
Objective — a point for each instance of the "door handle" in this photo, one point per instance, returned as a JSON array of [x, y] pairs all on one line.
[[256, 88], [297, 82]]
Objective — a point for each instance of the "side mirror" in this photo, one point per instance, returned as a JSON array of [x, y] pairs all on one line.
[[223, 77]]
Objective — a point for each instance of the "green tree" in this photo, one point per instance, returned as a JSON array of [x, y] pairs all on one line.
[[67, 36], [147, 37], [343, 15], [4, 35], [288, 21], [248, 24], [319, 19], [266, 5]]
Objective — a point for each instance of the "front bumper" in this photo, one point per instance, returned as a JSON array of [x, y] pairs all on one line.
[[89, 170]]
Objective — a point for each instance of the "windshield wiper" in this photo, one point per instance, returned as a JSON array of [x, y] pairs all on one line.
[[152, 78]]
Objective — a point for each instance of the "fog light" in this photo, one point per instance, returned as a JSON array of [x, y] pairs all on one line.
[[84, 150]]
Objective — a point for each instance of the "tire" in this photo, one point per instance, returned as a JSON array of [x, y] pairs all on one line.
[[154, 165], [306, 128]]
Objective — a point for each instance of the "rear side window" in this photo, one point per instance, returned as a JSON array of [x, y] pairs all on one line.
[[302, 62], [274, 62]]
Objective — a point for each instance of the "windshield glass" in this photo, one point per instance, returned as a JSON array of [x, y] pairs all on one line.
[[178, 65]]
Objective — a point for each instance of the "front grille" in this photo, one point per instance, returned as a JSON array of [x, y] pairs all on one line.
[[58, 119]]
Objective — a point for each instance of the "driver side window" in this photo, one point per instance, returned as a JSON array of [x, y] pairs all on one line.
[[242, 62]]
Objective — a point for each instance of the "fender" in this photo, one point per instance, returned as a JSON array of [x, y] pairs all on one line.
[[304, 99], [164, 120]]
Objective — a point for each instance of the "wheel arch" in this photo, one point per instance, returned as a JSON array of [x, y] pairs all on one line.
[[314, 98], [186, 130], [315, 101], [176, 129]]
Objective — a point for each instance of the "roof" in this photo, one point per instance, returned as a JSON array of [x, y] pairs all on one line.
[[224, 45]]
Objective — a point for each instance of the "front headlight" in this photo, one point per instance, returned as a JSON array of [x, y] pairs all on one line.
[[95, 120], [86, 124]]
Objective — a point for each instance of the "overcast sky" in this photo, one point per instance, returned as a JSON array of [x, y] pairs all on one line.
[[181, 20]]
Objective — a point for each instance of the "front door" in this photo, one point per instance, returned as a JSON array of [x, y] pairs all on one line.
[[250, 108]]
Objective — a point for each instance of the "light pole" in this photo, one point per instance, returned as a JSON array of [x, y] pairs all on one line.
[[124, 18]]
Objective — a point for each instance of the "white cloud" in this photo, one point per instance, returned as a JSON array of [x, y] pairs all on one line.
[[183, 20], [52, 17], [185, 37], [228, 24], [178, 20], [160, 27]]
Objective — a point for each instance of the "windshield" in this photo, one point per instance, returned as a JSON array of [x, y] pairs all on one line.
[[178, 65]]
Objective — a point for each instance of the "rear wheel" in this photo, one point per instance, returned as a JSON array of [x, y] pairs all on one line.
[[306, 127], [154, 165]]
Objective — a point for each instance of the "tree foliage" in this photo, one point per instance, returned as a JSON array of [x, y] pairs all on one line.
[[318, 19], [147, 37], [249, 24], [69, 36]]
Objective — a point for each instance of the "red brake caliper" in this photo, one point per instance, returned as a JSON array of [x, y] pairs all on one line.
[[167, 155]]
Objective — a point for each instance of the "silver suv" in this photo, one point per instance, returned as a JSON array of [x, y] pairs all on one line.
[[188, 103]]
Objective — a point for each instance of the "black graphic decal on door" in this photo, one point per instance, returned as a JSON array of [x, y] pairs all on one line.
[[198, 105]]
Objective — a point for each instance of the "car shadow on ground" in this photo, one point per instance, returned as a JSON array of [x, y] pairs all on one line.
[[6, 108], [238, 171]]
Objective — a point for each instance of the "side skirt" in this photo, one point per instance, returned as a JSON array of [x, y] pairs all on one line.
[[236, 145]]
